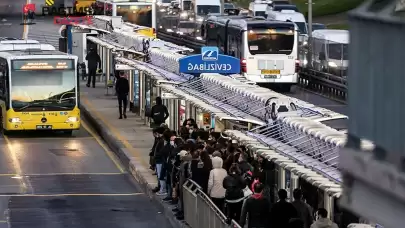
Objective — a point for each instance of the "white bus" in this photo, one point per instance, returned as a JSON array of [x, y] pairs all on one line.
[[268, 50]]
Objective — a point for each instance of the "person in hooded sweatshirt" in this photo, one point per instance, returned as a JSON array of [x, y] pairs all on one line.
[[322, 220], [282, 211], [303, 209], [256, 208], [215, 189], [122, 89], [234, 185], [159, 112]]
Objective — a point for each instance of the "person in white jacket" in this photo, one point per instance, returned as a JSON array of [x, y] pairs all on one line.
[[215, 189], [322, 220]]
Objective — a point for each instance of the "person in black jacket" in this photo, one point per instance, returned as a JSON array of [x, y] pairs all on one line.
[[303, 209], [256, 208], [152, 151], [159, 112], [282, 211], [161, 161], [160, 143], [93, 60], [234, 185], [122, 89]]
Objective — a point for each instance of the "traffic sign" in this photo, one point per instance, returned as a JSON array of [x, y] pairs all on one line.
[[49, 2], [210, 61]]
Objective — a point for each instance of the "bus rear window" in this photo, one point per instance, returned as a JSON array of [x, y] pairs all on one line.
[[271, 41]]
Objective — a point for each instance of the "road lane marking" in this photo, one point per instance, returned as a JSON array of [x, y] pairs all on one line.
[[74, 194], [106, 149], [73, 174], [115, 132], [16, 164], [8, 174]]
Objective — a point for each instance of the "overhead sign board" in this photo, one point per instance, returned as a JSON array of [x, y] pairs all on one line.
[[209, 61], [43, 64]]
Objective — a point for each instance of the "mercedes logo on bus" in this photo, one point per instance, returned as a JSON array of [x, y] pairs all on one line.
[[43, 120]]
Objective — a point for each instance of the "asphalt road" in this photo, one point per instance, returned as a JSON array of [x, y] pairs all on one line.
[[52, 181], [318, 100], [45, 31], [10, 27]]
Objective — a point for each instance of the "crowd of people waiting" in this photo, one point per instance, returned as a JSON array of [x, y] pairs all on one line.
[[229, 175]]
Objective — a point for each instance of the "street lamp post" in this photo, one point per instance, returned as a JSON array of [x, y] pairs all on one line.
[[309, 55]]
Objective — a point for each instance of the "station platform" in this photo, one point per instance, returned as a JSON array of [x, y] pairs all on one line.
[[130, 139]]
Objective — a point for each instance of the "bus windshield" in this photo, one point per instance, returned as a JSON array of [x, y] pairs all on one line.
[[271, 41], [187, 5], [206, 9], [338, 51], [302, 26], [39, 84]]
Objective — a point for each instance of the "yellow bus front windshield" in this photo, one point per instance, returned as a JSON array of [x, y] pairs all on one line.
[[43, 85]]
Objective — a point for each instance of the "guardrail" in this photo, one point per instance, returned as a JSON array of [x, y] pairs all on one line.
[[181, 40], [200, 211], [324, 83]]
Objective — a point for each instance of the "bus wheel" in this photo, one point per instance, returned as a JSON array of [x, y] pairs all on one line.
[[68, 132]]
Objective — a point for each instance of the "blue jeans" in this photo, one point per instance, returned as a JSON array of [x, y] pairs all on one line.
[[162, 182]]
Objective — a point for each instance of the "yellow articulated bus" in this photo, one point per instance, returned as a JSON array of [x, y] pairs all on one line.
[[39, 88]]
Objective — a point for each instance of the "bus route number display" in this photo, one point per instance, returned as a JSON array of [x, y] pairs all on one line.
[[41, 64]]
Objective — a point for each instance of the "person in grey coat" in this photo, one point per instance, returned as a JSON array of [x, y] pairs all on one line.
[[303, 209]]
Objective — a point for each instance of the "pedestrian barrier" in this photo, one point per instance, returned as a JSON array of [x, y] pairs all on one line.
[[200, 211]]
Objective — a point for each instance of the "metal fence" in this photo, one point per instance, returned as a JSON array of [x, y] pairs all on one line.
[[200, 211]]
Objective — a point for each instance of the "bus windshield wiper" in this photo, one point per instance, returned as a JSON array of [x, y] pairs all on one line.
[[41, 104]]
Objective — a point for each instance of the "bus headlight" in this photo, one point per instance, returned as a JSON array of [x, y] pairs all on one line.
[[72, 119], [14, 120], [332, 64]]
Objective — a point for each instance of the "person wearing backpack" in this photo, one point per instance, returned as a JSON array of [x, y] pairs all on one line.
[[159, 112]]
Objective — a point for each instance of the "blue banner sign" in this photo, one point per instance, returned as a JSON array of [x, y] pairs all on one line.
[[209, 61], [136, 88]]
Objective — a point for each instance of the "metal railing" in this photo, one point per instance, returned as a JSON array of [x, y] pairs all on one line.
[[200, 211], [325, 83], [177, 39]]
